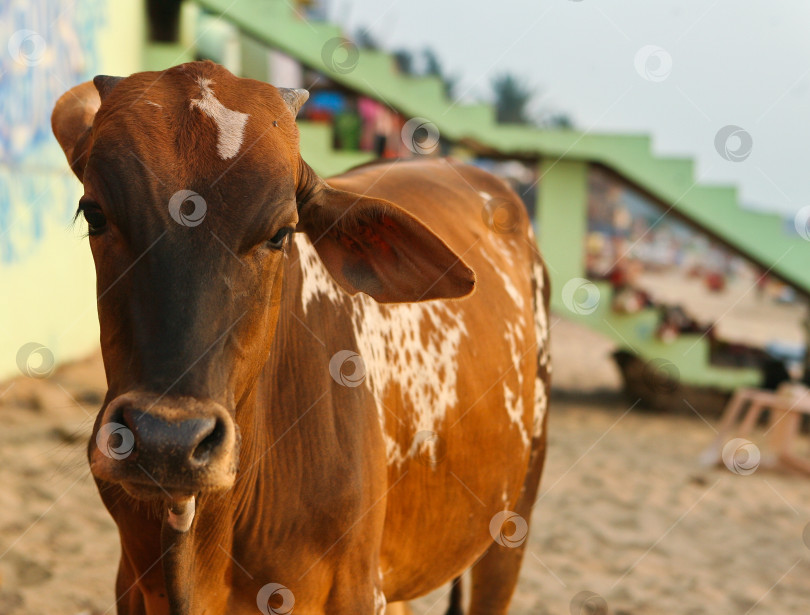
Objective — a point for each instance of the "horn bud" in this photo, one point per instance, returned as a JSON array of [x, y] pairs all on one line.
[[294, 98], [105, 84]]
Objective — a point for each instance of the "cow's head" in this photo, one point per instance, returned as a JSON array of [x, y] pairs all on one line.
[[193, 183]]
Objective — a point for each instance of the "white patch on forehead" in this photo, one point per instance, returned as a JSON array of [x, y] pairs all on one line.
[[230, 124], [485, 196]]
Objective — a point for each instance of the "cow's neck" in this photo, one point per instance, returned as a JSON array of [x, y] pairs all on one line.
[[270, 418], [207, 550]]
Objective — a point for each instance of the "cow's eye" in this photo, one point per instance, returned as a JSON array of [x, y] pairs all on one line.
[[96, 220], [278, 241]]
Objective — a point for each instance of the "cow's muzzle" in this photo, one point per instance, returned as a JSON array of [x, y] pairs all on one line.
[[165, 448]]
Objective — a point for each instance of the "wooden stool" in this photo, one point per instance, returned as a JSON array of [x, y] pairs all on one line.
[[786, 404]]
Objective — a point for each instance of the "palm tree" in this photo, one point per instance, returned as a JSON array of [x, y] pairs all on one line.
[[404, 61], [511, 99], [433, 67]]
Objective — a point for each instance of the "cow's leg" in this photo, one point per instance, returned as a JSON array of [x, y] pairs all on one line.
[[456, 596], [495, 575]]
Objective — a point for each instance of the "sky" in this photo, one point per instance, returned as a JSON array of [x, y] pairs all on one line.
[[678, 70]]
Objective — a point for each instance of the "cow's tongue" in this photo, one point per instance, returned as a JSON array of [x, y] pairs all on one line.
[[181, 513]]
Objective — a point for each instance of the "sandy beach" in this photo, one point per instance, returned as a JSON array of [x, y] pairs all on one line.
[[625, 510]]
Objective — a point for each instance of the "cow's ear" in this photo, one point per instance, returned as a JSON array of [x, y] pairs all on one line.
[[71, 121], [372, 246]]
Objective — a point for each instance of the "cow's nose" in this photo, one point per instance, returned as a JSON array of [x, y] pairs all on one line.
[[177, 445], [190, 441]]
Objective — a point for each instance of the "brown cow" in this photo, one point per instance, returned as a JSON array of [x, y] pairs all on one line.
[[331, 419]]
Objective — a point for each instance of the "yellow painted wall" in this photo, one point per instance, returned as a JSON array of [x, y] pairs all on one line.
[[47, 279]]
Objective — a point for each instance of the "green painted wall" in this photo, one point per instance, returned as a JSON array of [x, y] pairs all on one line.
[[562, 217]]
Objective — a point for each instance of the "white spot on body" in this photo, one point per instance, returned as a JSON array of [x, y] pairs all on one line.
[[513, 401], [379, 601], [485, 196], [230, 124], [508, 284], [154, 104], [413, 345], [390, 340], [541, 334], [424, 447], [514, 337], [398, 351], [316, 281]]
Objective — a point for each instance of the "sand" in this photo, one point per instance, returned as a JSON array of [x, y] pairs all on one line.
[[625, 511]]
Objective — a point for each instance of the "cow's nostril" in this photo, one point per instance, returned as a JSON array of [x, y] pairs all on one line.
[[121, 434], [208, 445]]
